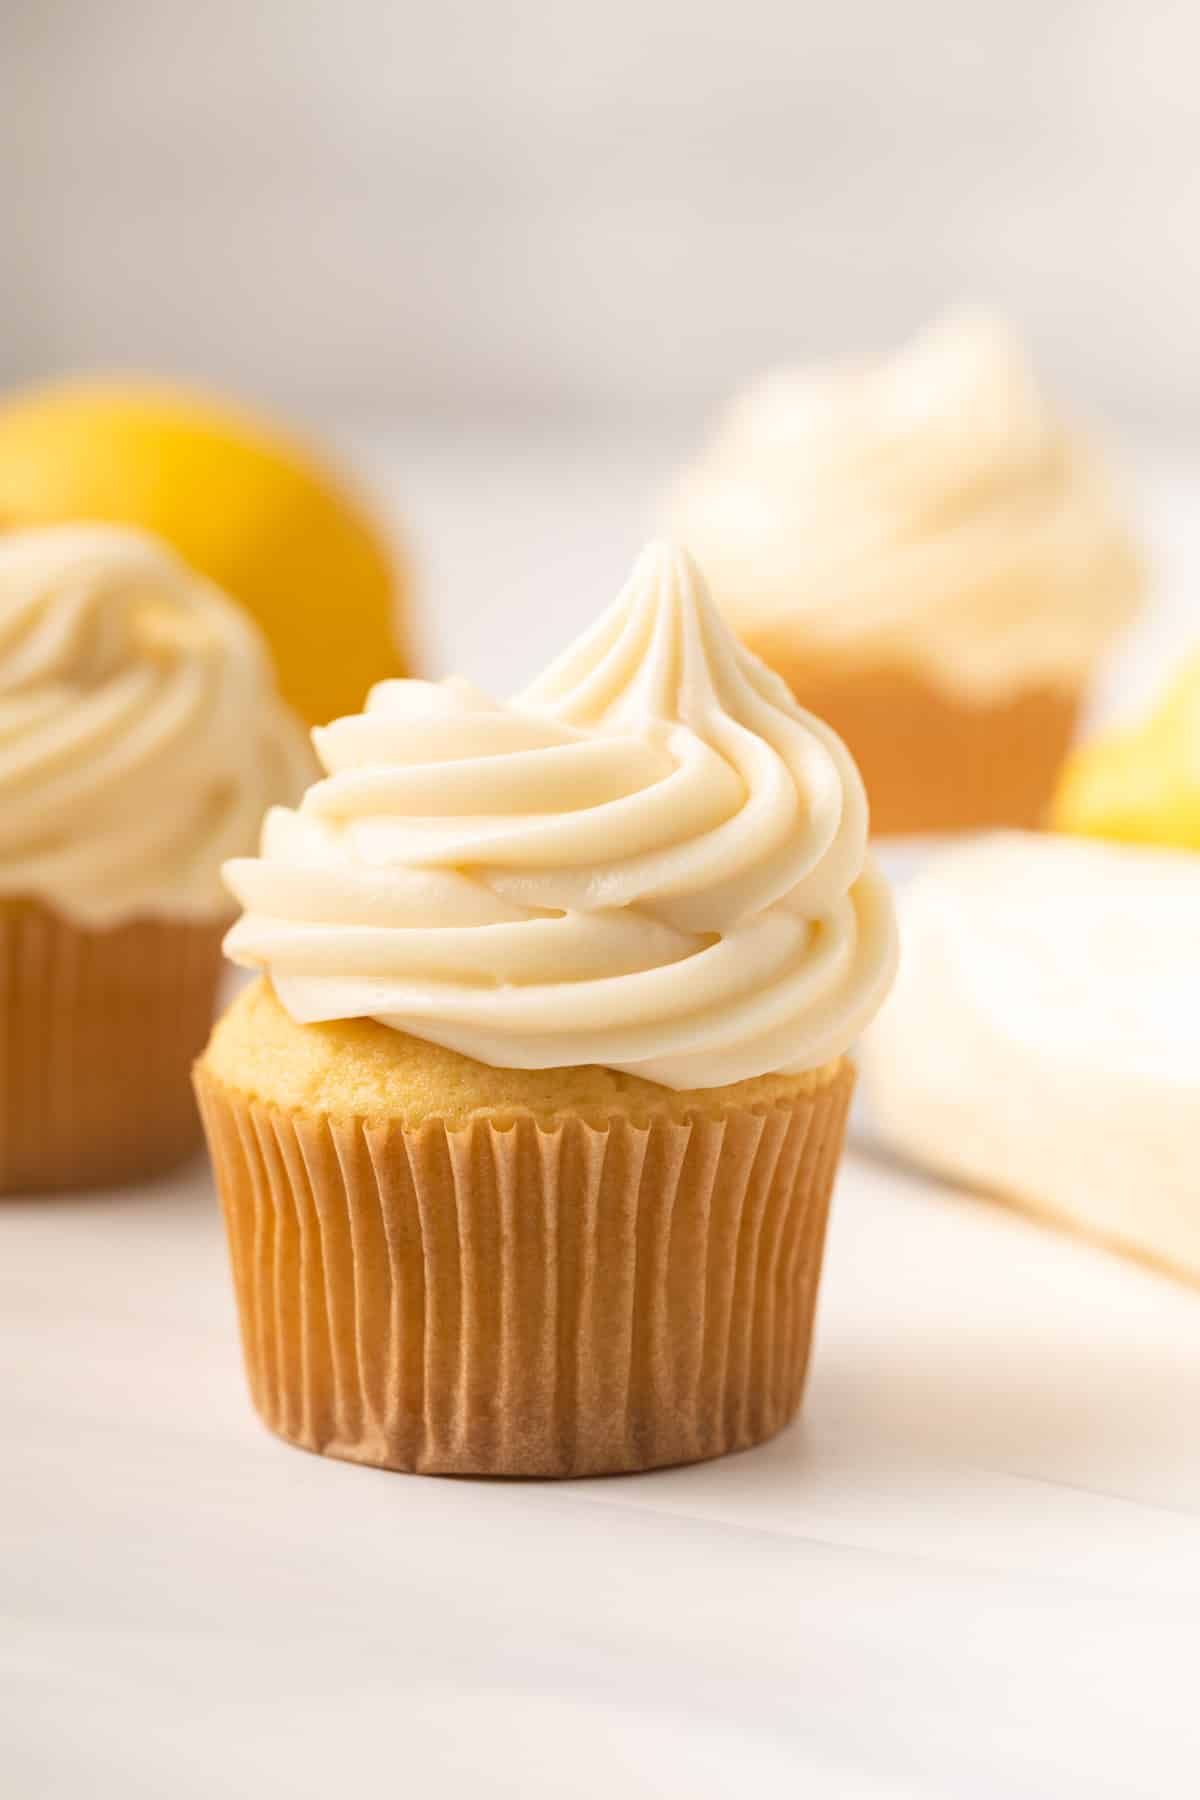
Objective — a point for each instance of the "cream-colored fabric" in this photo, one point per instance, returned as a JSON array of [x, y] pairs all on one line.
[[1042, 1039], [651, 860], [141, 736]]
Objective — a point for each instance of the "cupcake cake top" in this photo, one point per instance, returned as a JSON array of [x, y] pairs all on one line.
[[651, 859], [141, 736], [928, 509]]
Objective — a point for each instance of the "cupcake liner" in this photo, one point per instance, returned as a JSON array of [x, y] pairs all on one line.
[[935, 760], [98, 1031], [520, 1298]]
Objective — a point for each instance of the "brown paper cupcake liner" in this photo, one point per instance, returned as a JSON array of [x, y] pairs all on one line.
[[934, 761], [522, 1298], [98, 1032]]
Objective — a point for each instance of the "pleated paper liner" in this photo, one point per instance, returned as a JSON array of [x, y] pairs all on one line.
[[963, 763], [98, 1032], [519, 1299]]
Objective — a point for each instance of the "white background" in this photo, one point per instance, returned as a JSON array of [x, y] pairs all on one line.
[[557, 209]]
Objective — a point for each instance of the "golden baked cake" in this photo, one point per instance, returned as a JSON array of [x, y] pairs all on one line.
[[931, 560], [141, 740], [525, 1137]]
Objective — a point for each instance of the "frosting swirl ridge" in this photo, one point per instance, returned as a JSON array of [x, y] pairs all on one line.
[[141, 737], [651, 859]]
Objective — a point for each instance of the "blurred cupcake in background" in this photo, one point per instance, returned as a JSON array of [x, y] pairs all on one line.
[[930, 558], [274, 526], [141, 740]]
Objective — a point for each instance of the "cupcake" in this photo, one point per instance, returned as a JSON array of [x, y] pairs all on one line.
[[141, 740], [526, 1134], [931, 561]]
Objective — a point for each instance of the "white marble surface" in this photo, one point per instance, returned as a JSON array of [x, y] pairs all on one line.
[[972, 1569], [970, 1572]]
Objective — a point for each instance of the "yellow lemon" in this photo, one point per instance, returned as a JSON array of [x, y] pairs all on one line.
[[241, 502], [1141, 786]]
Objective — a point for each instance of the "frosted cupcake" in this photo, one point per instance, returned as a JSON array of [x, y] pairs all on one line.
[[141, 740], [931, 560], [526, 1138]]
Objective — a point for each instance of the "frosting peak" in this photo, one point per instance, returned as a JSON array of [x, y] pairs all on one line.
[[651, 859], [927, 509], [141, 738]]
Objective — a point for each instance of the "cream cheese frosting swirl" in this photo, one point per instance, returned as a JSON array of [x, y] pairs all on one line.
[[141, 737], [651, 859], [926, 510]]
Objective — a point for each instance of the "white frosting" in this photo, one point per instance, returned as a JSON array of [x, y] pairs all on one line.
[[651, 860], [141, 737], [927, 511], [1042, 1037]]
